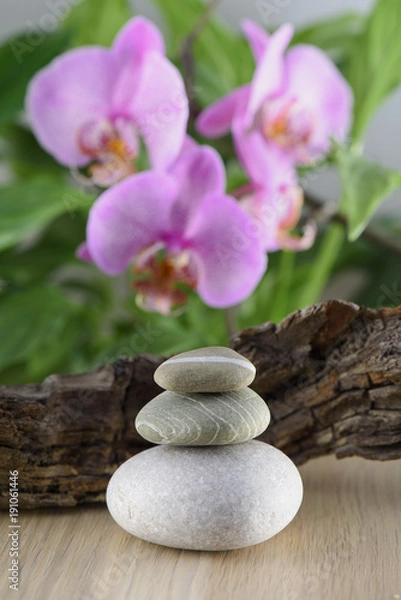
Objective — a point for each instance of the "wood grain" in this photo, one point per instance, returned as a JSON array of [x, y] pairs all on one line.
[[345, 543]]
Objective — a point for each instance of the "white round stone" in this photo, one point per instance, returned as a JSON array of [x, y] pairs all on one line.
[[209, 498]]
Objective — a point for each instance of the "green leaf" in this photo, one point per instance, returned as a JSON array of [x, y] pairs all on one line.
[[323, 266], [59, 357], [55, 249], [221, 56], [335, 36], [180, 19], [30, 320], [227, 54], [381, 268], [290, 283], [365, 186], [23, 153], [209, 86], [236, 176], [27, 207], [97, 21], [155, 335], [20, 58], [374, 268], [374, 70]]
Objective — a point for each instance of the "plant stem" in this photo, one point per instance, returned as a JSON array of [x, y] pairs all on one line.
[[230, 315], [322, 268], [283, 286], [187, 56]]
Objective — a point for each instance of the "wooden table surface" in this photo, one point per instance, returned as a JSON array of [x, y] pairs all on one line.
[[344, 544]]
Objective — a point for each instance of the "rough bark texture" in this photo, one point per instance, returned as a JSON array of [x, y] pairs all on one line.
[[331, 375]]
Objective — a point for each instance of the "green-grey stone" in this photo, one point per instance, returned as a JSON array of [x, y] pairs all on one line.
[[213, 369], [193, 419]]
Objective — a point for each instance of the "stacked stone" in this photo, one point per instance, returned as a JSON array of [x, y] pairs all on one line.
[[207, 402], [207, 485]]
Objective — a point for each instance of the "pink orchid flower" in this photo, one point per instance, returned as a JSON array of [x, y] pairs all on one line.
[[274, 201], [91, 106], [177, 228], [296, 102]]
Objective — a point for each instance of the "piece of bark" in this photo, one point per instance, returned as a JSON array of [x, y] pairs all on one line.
[[331, 375]]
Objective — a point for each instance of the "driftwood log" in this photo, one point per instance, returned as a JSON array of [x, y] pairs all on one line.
[[331, 375]]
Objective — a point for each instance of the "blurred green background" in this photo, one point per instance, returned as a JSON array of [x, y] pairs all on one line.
[[58, 314]]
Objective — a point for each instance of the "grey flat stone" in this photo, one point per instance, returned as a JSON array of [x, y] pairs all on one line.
[[217, 498], [196, 419], [213, 369]]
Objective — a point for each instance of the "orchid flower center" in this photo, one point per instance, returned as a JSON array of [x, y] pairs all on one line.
[[288, 124], [113, 146], [161, 272]]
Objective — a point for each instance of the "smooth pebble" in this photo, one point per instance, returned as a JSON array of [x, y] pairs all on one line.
[[213, 369], [217, 498], [203, 419]]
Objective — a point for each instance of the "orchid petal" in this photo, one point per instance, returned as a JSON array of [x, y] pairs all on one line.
[[160, 108], [216, 120], [298, 243], [74, 89], [275, 205], [315, 81], [189, 145], [129, 217], [265, 217], [269, 74], [251, 151], [83, 253], [200, 172], [266, 164], [257, 37], [226, 247], [138, 37]]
